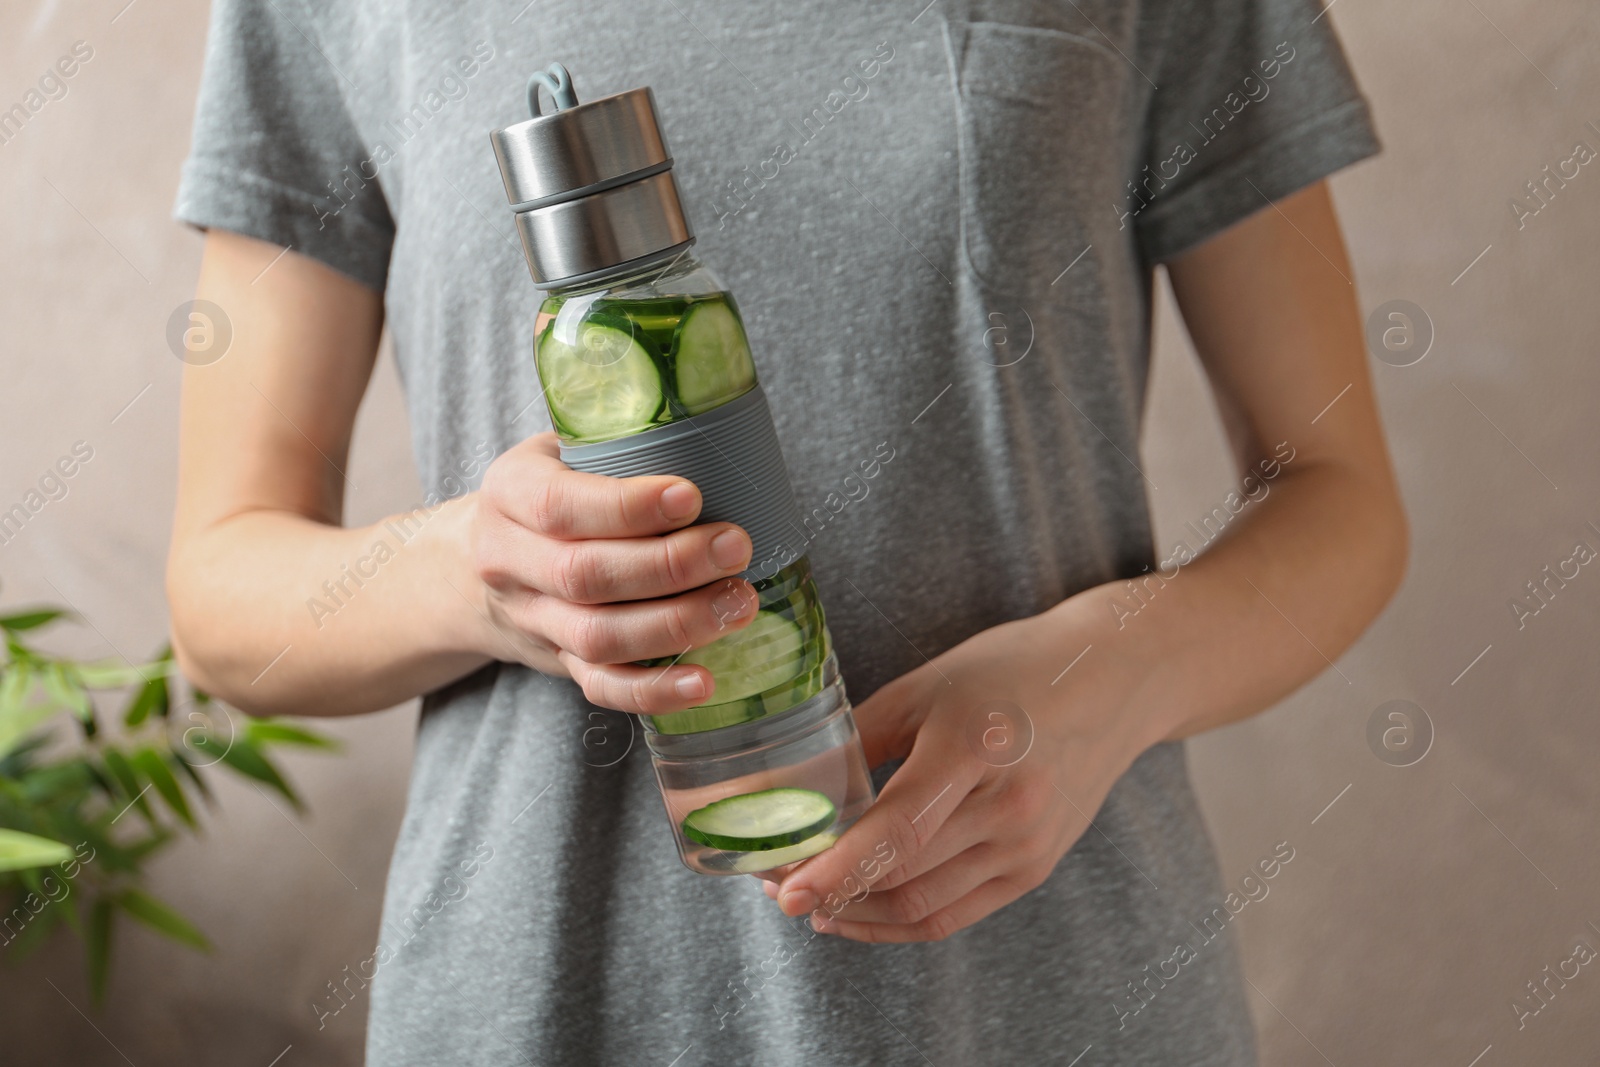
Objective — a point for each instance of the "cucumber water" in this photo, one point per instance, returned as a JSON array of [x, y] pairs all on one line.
[[779, 659], [761, 821], [599, 380], [617, 362], [614, 366], [645, 368]]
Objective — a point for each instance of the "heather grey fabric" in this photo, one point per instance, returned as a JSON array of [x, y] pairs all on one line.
[[941, 229]]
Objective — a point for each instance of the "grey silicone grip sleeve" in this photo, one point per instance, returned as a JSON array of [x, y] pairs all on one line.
[[732, 454]]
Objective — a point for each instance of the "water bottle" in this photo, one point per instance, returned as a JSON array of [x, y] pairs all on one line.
[[646, 369]]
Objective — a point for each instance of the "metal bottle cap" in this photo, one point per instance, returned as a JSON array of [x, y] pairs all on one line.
[[591, 184]]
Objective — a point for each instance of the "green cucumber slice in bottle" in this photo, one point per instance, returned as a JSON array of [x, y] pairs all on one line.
[[754, 862], [600, 381], [758, 822], [711, 357], [767, 653]]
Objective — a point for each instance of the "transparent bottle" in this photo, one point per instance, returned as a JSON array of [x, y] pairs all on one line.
[[646, 369]]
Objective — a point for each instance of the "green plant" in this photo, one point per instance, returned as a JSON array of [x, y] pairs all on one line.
[[81, 819]]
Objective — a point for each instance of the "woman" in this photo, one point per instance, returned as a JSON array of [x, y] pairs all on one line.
[[943, 227]]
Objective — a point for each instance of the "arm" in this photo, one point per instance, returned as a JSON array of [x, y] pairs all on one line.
[[1291, 584], [538, 567], [1277, 329]]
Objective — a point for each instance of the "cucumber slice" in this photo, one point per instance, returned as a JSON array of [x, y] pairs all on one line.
[[753, 862], [599, 381], [758, 822], [767, 653], [712, 358], [797, 690]]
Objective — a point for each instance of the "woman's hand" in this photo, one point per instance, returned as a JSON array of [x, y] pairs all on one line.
[[1218, 632], [1007, 757], [584, 574]]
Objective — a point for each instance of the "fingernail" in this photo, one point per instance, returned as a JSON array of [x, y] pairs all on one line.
[[733, 603], [821, 922], [691, 687], [797, 902], [729, 549], [678, 501]]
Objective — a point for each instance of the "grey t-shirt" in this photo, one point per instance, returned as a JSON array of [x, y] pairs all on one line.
[[941, 225]]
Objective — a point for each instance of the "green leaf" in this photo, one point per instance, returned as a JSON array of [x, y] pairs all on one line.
[[99, 779], [19, 850], [21, 759], [159, 917], [15, 686], [149, 762], [29, 877], [17, 725], [34, 933], [193, 775], [61, 683], [244, 757], [138, 851], [277, 731], [63, 783], [92, 847], [35, 881], [98, 947], [30, 620], [133, 792], [152, 697], [109, 674]]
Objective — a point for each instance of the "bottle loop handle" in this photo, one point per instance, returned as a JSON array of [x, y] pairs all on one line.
[[558, 83]]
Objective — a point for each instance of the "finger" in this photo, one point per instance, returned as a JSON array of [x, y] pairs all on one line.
[[914, 805], [964, 829], [885, 720], [642, 690], [924, 895], [531, 485], [968, 826], [988, 898], [640, 568], [646, 629], [776, 875], [882, 720]]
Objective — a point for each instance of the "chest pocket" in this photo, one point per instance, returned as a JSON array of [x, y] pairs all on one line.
[[1041, 123]]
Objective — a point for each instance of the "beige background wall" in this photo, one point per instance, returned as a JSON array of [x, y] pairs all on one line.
[[1418, 904]]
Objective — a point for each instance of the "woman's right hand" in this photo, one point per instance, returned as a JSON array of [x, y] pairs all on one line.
[[584, 574]]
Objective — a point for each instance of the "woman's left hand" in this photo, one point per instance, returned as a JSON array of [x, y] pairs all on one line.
[[1011, 741]]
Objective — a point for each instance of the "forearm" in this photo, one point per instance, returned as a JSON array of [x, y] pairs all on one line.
[[968, 835], [1273, 602], [277, 608], [279, 614]]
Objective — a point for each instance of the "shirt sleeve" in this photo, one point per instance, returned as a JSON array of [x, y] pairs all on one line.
[[275, 153], [1254, 101]]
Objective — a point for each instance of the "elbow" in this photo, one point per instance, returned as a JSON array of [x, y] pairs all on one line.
[[1391, 546], [196, 669], [205, 663], [205, 647], [191, 650]]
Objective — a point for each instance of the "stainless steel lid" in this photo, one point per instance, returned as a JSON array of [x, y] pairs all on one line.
[[591, 184]]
